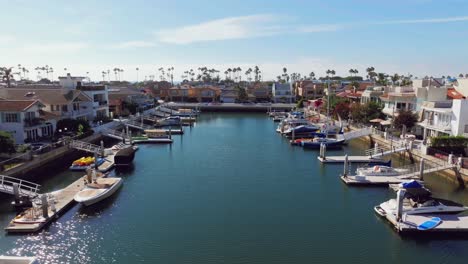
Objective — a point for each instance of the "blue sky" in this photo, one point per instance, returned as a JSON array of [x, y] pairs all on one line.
[[421, 37]]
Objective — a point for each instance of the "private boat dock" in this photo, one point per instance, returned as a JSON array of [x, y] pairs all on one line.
[[409, 223], [57, 203]]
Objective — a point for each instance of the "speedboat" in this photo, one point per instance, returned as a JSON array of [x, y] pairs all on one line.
[[301, 130], [418, 200], [379, 170], [328, 142], [153, 136], [98, 190]]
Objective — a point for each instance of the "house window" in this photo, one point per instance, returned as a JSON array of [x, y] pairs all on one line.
[[65, 108], [11, 117], [76, 106], [30, 115]]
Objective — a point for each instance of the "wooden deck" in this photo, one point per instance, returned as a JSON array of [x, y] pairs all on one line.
[[375, 180], [450, 223]]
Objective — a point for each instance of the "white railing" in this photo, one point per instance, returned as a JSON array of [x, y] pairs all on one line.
[[84, 146], [24, 187]]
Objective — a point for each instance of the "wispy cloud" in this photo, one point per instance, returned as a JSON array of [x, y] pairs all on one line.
[[222, 29], [134, 44], [62, 47], [424, 21], [320, 28]]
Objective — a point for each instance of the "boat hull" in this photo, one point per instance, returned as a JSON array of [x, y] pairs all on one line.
[[101, 196], [316, 145]]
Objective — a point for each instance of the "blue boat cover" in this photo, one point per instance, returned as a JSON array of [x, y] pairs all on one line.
[[412, 184]]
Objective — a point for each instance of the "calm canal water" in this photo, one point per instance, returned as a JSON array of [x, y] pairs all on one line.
[[231, 190]]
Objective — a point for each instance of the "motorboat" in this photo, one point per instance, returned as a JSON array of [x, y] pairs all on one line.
[[328, 142], [289, 122], [98, 190], [299, 131], [416, 199], [170, 121], [379, 170], [124, 156]]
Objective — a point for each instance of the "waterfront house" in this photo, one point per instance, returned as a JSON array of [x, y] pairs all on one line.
[[206, 93], [182, 93], [309, 89], [98, 93], [372, 94], [228, 95], [282, 92], [26, 120], [398, 98], [119, 95], [61, 102], [261, 92], [444, 118]]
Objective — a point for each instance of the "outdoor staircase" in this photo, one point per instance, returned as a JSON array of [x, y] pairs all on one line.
[[112, 133]]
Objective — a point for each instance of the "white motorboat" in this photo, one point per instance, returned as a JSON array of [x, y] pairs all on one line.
[[379, 170], [98, 190], [418, 200]]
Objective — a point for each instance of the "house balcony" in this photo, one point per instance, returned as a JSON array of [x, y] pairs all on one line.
[[442, 127], [32, 122], [76, 113]]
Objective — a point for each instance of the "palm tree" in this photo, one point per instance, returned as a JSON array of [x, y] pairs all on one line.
[[103, 76], [115, 73], [239, 70], [137, 69], [311, 75], [7, 75]]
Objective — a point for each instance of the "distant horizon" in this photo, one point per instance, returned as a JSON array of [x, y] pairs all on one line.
[[423, 38]]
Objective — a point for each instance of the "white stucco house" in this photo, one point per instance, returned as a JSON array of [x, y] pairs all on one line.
[[282, 93]]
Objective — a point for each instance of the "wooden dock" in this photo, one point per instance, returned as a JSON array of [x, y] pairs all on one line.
[[352, 159], [450, 223], [63, 199], [376, 180], [108, 163]]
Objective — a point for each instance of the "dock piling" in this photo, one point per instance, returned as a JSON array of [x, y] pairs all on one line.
[[421, 169], [102, 149], [45, 206], [345, 166], [400, 196], [16, 193]]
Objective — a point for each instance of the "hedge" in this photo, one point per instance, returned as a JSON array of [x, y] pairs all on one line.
[[449, 141]]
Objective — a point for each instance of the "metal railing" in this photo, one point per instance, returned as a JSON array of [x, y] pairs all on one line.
[[24, 187]]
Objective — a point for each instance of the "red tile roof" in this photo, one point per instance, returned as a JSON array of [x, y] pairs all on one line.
[[16, 105], [454, 94]]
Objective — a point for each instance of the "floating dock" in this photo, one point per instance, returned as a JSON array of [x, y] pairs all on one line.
[[108, 163], [376, 180], [409, 223], [352, 159], [63, 199]]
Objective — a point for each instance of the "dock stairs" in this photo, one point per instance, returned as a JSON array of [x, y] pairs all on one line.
[[25, 188]]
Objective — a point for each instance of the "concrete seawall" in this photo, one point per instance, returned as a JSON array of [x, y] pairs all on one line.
[[55, 155]]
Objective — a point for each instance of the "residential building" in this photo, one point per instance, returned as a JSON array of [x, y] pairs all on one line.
[[282, 93], [25, 120], [98, 93], [310, 89], [461, 85], [182, 93], [444, 118], [228, 95], [207, 93], [261, 92], [372, 94], [398, 98], [118, 95], [61, 102]]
